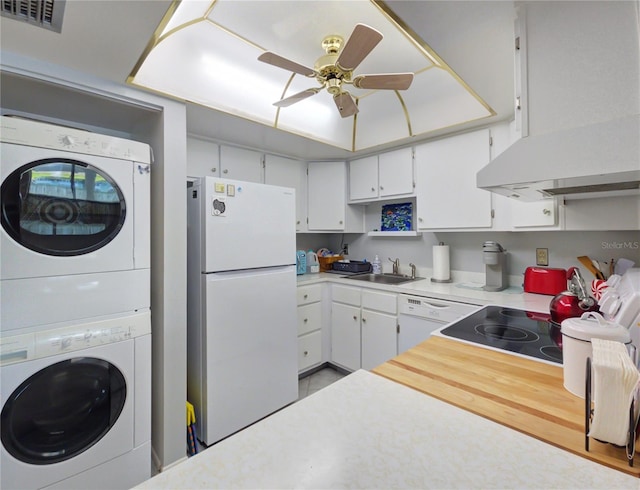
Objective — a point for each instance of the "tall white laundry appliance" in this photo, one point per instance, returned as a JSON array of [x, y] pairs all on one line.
[[242, 333], [75, 234], [75, 322]]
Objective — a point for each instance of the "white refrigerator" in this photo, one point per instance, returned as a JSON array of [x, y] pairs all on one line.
[[242, 361]]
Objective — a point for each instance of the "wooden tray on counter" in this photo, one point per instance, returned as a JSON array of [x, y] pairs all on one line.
[[522, 394]]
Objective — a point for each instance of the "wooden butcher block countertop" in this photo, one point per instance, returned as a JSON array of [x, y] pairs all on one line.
[[525, 395]]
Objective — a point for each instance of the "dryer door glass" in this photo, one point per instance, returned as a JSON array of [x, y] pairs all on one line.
[[62, 410], [61, 207]]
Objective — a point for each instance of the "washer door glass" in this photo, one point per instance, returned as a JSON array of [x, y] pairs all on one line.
[[61, 207], [62, 410]]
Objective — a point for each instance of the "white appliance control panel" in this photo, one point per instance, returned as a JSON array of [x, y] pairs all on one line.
[[38, 134], [29, 346]]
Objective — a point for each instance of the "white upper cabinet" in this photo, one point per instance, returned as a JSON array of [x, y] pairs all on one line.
[[534, 214], [289, 173], [363, 179], [203, 158], [327, 199], [395, 170], [240, 164], [383, 176], [582, 63], [509, 213], [446, 192]]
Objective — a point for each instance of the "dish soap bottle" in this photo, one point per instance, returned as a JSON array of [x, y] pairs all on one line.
[[376, 265]]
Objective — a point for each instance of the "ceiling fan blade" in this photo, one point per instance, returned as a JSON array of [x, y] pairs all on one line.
[[345, 104], [362, 40], [296, 97], [280, 62], [385, 81]]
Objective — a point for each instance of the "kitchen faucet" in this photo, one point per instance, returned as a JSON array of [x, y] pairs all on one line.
[[396, 265], [413, 270]]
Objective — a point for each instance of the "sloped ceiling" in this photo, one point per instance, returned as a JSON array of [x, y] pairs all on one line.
[[106, 39]]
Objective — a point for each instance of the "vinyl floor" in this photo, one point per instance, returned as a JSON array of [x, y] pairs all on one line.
[[316, 381]]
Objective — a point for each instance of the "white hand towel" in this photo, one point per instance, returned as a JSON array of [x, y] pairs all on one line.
[[615, 382]]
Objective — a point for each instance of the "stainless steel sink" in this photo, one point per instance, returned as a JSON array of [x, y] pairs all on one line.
[[384, 278]]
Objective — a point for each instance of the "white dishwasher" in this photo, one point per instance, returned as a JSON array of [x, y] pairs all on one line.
[[418, 317]]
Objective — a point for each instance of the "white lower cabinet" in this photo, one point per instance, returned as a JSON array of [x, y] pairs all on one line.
[[379, 338], [379, 341], [345, 326], [363, 327], [309, 350], [309, 326]]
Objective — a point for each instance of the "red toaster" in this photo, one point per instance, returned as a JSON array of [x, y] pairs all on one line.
[[545, 280]]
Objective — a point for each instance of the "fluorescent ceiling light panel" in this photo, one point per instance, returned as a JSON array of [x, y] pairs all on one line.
[[206, 52]]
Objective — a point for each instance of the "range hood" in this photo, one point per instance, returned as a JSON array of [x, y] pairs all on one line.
[[597, 160]]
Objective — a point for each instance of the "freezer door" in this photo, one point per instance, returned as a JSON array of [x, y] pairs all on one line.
[[250, 348], [247, 225]]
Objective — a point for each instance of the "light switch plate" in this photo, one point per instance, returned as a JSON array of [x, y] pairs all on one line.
[[542, 256]]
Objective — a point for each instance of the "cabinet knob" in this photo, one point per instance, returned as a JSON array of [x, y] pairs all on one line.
[[355, 317], [373, 189], [225, 171], [364, 320], [306, 296], [214, 170], [340, 221], [306, 353], [305, 320], [298, 222], [381, 188], [546, 212], [420, 220]]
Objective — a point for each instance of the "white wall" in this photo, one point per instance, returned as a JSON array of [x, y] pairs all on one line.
[[466, 247]]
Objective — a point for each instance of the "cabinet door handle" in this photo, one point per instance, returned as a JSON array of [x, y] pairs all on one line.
[[225, 171], [355, 317], [381, 188], [364, 320], [214, 170], [298, 222], [340, 221], [305, 320], [546, 212], [306, 353], [306, 296], [373, 189]]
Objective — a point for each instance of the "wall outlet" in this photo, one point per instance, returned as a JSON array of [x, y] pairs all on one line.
[[345, 249], [542, 256]]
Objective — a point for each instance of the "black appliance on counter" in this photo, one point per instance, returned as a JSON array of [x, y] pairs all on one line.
[[524, 333]]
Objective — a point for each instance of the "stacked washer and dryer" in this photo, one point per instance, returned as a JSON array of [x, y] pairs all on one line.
[[75, 322]]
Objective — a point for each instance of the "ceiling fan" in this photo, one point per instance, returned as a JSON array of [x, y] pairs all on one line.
[[335, 69]]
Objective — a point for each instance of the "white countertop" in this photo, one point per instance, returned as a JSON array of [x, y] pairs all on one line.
[[365, 431], [466, 291]]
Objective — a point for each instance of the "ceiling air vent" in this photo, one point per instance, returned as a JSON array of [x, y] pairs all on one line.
[[44, 13]]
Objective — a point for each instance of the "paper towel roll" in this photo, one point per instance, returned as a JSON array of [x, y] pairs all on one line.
[[441, 271]]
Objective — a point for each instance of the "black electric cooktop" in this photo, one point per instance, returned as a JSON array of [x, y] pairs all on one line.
[[521, 332]]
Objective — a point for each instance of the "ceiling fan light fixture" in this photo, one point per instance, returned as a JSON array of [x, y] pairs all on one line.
[[335, 68], [334, 86]]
